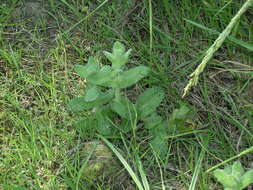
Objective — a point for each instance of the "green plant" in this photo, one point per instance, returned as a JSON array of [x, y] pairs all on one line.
[[233, 177], [181, 118], [108, 104]]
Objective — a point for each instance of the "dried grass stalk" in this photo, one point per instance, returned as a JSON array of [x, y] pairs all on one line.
[[216, 45]]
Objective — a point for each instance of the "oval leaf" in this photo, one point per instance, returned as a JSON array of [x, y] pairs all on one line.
[[152, 121], [92, 94], [160, 146], [125, 108], [103, 78], [104, 126], [130, 77], [118, 49], [225, 179], [149, 100], [247, 179], [159, 142], [79, 104], [237, 170], [86, 70]]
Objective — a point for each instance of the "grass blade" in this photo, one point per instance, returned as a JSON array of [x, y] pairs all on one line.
[[230, 38], [160, 169], [82, 20], [197, 170], [150, 29], [125, 164], [249, 150], [143, 176]]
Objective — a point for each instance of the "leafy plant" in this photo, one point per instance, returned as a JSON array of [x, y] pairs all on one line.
[[233, 177], [181, 119], [108, 104]]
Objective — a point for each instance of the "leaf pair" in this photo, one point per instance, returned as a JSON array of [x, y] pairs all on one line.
[[108, 77], [119, 56], [94, 74], [128, 78], [145, 108], [234, 177]]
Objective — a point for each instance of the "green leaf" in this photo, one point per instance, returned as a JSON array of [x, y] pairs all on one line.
[[160, 130], [179, 117], [79, 103], [228, 170], [104, 126], [130, 77], [103, 77], [118, 57], [90, 68], [181, 113], [149, 100], [237, 170], [92, 94], [85, 127], [160, 146], [247, 179], [159, 141], [152, 121], [125, 108], [109, 56], [118, 49], [225, 179]]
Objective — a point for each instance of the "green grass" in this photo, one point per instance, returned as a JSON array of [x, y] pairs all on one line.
[[39, 138]]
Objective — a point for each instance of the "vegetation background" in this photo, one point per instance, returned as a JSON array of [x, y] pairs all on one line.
[[41, 41]]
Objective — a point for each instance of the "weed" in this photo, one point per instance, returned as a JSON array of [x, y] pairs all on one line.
[[105, 98], [233, 177]]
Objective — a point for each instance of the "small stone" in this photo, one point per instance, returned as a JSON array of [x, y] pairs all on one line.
[[100, 160]]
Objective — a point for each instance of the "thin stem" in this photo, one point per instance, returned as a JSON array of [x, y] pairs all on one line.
[[117, 94], [150, 30], [249, 150]]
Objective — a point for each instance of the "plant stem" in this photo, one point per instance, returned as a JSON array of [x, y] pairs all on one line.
[[117, 94], [150, 31], [249, 150]]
